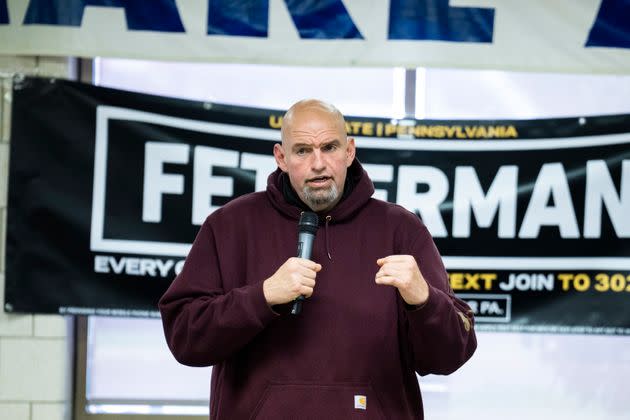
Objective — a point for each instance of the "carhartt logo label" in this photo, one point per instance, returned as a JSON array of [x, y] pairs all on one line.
[[360, 402]]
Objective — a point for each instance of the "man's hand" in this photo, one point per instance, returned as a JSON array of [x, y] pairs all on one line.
[[294, 278], [402, 272]]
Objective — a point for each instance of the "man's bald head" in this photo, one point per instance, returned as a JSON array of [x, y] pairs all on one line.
[[312, 106]]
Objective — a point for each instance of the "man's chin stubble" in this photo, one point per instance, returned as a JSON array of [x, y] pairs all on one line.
[[320, 201]]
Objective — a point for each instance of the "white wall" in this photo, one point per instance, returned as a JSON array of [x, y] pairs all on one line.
[[35, 365]]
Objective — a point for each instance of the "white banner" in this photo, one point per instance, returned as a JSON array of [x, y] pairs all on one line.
[[574, 36]]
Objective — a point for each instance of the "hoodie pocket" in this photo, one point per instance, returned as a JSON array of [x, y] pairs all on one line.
[[318, 401]]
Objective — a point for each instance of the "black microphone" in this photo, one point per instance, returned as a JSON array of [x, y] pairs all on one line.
[[307, 228]]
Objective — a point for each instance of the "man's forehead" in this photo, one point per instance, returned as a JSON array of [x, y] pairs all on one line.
[[318, 141], [315, 135], [327, 131]]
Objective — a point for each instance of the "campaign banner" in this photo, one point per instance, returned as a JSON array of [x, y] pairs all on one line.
[[586, 36], [108, 188]]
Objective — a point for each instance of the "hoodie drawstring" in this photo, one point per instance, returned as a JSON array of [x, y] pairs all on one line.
[[328, 218]]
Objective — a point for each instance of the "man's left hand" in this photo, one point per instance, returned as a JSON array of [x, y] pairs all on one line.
[[402, 272]]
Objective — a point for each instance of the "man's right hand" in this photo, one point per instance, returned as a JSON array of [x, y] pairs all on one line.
[[294, 278]]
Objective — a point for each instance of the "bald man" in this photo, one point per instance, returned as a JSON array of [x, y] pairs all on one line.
[[379, 307]]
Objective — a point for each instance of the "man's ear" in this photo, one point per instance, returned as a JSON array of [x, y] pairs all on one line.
[[278, 153], [350, 151]]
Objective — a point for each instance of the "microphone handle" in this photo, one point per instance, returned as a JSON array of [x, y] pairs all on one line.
[[305, 245], [304, 250], [296, 309]]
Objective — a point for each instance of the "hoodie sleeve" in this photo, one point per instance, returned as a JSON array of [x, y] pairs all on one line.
[[203, 323], [440, 333]]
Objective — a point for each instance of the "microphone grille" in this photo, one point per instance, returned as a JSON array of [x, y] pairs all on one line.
[[309, 222]]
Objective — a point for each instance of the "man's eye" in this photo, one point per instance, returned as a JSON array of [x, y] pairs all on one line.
[[330, 147], [301, 151]]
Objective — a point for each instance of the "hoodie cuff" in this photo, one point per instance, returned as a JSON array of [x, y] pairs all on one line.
[[424, 312], [259, 304]]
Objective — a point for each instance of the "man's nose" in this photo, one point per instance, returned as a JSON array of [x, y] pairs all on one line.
[[318, 163]]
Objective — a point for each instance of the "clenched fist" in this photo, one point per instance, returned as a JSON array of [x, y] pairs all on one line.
[[402, 272], [294, 278]]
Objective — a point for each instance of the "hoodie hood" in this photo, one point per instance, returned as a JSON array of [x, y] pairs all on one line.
[[361, 186]]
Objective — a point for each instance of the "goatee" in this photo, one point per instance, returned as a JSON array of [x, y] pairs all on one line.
[[319, 199]]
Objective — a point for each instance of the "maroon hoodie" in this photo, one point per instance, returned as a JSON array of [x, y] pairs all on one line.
[[353, 351]]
